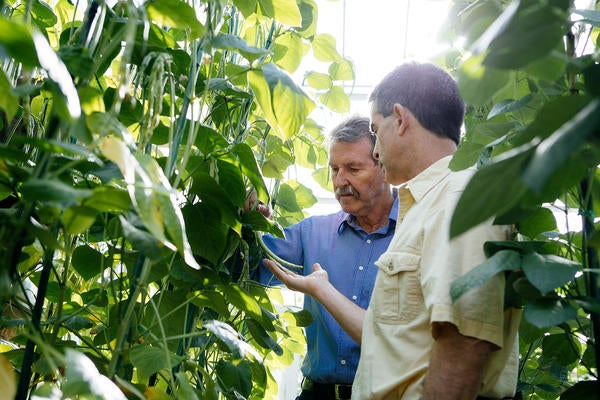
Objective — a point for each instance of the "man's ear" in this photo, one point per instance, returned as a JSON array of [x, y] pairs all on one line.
[[401, 117]]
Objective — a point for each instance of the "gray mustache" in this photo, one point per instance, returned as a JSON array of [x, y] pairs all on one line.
[[345, 190]]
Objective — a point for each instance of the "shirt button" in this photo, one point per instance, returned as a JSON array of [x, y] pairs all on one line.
[[354, 297], [360, 267], [343, 362], [369, 241]]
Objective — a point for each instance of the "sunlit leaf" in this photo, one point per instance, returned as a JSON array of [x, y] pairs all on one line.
[[342, 70], [288, 51], [236, 376], [324, 48], [284, 11], [7, 378], [141, 240], [318, 80], [246, 7], [293, 196], [175, 14], [243, 301], [16, 39], [336, 99], [78, 219], [506, 106], [309, 12], [262, 337]]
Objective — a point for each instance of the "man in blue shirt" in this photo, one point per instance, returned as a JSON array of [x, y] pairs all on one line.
[[346, 244]]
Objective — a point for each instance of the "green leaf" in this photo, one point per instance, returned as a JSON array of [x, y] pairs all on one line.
[[309, 11], [482, 199], [8, 101], [336, 99], [150, 359], [588, 390], [545, 313], [504, 260], [17, 41], [231, 42], [243, 301], [75, 323], [259, 222], [507, 106], [78, 219], [206, 231], [324, 48], [141, 240], [532, 32], [262, 337], [293, 196], [302, 318], [318, 80], [249, 167], [108, 199], [52, 190], [479, 83], [322, 177], [561, 348], [284, 11], [548, 272], [551, 153], [246, 7], [236, 376], [211, 299], [175, 14], [541, 220], [342, 70], [88, 262], [43, 15]]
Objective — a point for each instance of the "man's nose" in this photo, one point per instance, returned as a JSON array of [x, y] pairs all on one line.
[[340, 178]]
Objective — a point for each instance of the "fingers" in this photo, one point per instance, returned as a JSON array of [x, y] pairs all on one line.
[[316, 267]]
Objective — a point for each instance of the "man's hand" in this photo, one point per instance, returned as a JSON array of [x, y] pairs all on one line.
[[309, 284], [252, 203]]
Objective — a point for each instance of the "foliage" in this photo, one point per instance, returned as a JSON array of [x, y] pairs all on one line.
[[130, 136], [529, 72]]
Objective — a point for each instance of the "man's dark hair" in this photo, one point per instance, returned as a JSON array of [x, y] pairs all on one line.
[[430, 94], [352, 130]]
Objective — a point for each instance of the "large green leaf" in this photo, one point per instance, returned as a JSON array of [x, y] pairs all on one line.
[[88, 262], [561, 348], [258, 222], [522, 35], [551, 153], [318, 80], [175, 14], [235, 376], [150, 359], [108, 198], [141, 240], [77, 219], [243, 301], [504, 260], [249, 167], [283, 102], [229, 337], [341, 70], [246, 7], [206, 231], [539, 221], [487, 192], [548, 272], [293, 196], [309, 11], [262, 337], [544, 313]]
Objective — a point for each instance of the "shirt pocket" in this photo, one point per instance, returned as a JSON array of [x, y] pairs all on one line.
[[399, 298]]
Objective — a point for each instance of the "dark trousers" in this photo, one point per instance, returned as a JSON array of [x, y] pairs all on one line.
[[324, 391]]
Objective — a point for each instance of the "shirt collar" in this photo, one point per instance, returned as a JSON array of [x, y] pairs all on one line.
[[421, 184], [349, 220]]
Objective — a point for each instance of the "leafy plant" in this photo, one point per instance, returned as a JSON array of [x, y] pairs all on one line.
[[130, 137], [529, 72]]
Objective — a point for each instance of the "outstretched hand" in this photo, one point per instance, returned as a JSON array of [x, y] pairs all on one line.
[[252, 203], [308, 284]]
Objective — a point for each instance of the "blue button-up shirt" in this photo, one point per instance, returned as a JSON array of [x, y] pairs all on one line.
[[348, 254]]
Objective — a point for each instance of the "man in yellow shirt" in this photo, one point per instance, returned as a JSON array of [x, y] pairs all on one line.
[[415, 342]]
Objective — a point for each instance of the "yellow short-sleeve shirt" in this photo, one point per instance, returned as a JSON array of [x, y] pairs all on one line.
[[412, 290]]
